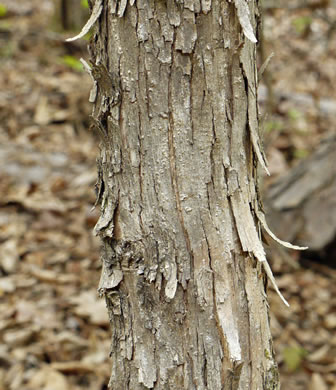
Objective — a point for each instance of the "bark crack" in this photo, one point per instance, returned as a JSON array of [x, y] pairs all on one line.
[[191, 98], [172, 163]]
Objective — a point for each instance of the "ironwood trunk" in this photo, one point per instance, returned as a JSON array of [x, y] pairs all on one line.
[[176, 107]]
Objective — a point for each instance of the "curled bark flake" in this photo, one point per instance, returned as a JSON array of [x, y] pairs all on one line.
[[96, 11], [247, 231], [106, 218], [113, 6], [270, 276], [247, 53], [93, 92], [171, 286], [262, 219], [249, 237], [122, 8], [206, 6], [109, 280], [193, 5], [187, 34], [230, 329], [86, 66], [257, 149], [99, 186], [173, 13], [145, 359], [243, 13], [94, 89]]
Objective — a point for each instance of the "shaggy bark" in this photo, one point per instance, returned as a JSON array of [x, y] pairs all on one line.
[[175, 105]]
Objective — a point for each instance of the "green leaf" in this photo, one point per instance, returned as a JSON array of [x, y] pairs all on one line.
[[294, 114], [270, 126], [72, 62], [300, 153], [84, 3], [88, 36], [293, 357], [302, 23], [3, 10]]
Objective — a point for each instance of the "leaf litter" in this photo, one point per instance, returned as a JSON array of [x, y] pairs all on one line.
[[54, 329]]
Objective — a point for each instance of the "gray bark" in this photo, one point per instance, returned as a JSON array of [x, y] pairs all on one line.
[[175, 105]]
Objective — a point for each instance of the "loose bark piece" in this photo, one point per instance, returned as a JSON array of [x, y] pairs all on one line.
[[244, 19], [96, 11], [262, 219]]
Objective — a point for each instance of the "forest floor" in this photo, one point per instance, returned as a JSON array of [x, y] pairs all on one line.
[[54, 330]]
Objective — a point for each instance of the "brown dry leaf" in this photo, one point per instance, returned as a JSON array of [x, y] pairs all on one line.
[[320, 355], [42, 313], [44, 166], [48, 220], [25, 311], [88, 304], [9, 256], [322, 369], [42, 112], [48, 378], [7, 285], [40, 202], [330, 321], [14, 377], [67, 337], [98, 357], [21, 337], [5, 358], [85, 179], [74, 367], [50, 276], [317, 383]]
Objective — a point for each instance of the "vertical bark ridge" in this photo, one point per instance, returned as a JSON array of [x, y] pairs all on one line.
[[177, 104], [173, 170]]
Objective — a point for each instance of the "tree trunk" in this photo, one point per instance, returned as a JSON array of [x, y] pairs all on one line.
[[175, 105]]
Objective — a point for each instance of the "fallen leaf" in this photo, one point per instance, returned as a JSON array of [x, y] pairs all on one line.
[[330, 320], [317, 382], [7, 285], [9, 256], [48, 378], [74, 367], [20, 337], [88, 304], [50, 276], [319, 355], [293, 357]]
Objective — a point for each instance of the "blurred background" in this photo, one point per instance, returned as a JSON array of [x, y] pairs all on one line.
[[54, 331]]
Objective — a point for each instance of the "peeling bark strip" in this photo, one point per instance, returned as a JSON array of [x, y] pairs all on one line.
[[243, 13], [176, 105], [93, 18]]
